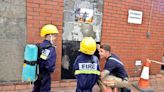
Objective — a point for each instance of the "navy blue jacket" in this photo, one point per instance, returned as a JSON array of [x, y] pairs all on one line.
[[115, 67], [48, 65], [87, 72]]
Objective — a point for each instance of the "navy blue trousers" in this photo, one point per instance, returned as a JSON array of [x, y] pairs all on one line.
[[43, 83]]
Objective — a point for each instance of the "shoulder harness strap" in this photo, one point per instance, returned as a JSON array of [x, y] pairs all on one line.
[[112, 58]]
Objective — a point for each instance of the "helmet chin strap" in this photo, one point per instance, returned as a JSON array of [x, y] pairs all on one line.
[[51, 39]]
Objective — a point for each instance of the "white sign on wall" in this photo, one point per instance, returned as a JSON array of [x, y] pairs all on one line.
[[138, 63], [135, 16]]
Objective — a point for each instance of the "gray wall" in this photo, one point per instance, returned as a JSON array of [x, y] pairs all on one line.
[[12, 38]]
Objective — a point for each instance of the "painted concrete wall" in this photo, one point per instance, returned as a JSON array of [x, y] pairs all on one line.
[[12, 38]]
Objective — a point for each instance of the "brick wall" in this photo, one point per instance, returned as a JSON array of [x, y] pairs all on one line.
[[40, 12], [129, 41], [56, 86], [156, 82]]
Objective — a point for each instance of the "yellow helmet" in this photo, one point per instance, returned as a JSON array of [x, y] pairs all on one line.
[[88, 46], [48, 29]]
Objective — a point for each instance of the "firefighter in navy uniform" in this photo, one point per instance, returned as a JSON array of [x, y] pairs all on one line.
[[114, 73], [86, 66], [46, 59]]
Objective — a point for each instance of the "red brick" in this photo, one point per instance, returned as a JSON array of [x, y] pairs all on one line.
[[20, 87], [32, 5], [32, 13], [39, 1], [7, 88], [29, 17], [30, 9], [45, 14]]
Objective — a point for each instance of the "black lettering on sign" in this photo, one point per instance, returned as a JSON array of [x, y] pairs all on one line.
[[87, 66]]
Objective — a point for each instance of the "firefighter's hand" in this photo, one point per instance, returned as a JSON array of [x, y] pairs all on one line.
[[104, 73], [148, 60]]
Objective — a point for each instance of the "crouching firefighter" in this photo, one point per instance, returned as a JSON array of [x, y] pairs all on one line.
[[86, 66], [114, 73], [46, 59]]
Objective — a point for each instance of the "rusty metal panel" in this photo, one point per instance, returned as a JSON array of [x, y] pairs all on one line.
[[82, 18]]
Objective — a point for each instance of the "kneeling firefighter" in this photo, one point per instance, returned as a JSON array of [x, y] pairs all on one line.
[[86, 66], [46, 59]]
